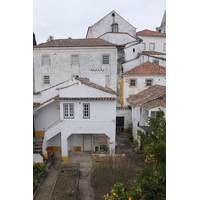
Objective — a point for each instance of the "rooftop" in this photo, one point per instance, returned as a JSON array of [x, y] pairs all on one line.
[[87, 82], [147, 68], [150, 98], [90, 42], [147, 32], [153, 53]]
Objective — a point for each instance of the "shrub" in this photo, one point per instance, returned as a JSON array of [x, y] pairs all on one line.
[[39, 171]]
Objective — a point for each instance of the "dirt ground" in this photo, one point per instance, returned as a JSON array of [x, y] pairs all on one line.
[[66, 185]]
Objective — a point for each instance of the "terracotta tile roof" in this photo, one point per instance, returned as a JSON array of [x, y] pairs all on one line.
[[147, 32], [37, 105], [75, 43], [152, 97], [147, 68], [86, 81], [153, 53]]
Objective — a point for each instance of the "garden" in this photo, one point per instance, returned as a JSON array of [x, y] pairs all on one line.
[[138, 177]]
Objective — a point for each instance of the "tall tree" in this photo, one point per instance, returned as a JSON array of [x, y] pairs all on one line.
[[34, 40]]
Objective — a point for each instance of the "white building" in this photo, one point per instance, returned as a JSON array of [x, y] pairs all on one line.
[[142, 77], [145, 104], [59, 60], [116, 30], [80, 117]]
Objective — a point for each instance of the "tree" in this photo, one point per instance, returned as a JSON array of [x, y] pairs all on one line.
[[50, 38], [34, 40], [151, 180]]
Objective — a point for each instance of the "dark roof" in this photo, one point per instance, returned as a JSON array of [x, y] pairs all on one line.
[[149, 98], [147, 32], [147, 68], [153, 53], [75, 43]]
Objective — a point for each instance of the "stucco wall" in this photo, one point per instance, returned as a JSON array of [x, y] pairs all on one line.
[[159, 42], [62, 70], [104, 26], [118, 38], [46, 116]]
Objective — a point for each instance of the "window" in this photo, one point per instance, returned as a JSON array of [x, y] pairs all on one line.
[[105, 59], [133, 49], [149, 82], [46, 79], [156, 61], [68, 110], [46, 60], [86, 110], [107, 80], [114, 27], [151, 46], [132, 82], [164, 47], [75, 59], [143, 46]]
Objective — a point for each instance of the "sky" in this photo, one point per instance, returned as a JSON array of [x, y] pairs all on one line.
[[71, 18]]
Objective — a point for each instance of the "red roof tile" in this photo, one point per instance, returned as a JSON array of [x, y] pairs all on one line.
[[147, 68], [149, 98], [75, 43], [147, 32]]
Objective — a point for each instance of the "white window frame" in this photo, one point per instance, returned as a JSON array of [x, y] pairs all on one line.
[[68, 110], [153, 47], [86, 111], [143, 46], [46, 79], [105, 59], [75, 61], [45, 60]]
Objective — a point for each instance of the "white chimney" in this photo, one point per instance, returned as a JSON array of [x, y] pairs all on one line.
[[98, 76]]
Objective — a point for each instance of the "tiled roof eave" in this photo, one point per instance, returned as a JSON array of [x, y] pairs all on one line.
[[87, 98]]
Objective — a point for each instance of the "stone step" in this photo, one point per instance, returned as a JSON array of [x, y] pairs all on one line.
[[37, 147], [37, 151]]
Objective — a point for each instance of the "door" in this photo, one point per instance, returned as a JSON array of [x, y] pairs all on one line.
[[120, 124], [87, 142]]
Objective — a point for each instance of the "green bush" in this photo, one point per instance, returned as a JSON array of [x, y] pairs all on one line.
[[39, 171]]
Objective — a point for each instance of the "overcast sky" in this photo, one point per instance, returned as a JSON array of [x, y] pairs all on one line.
[[71, 18]]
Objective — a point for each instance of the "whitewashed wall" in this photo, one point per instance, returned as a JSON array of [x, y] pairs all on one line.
[[118, 38], [99, 122], [104, 26], [159, 42], [157, 80], [62, 70], [46, 116]]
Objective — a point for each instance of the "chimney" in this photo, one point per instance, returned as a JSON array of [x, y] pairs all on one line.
[[98, 76]]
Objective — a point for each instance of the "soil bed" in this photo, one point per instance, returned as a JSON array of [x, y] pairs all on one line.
[[66, 185]]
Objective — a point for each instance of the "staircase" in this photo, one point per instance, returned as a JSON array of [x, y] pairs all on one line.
[[37, 145]]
